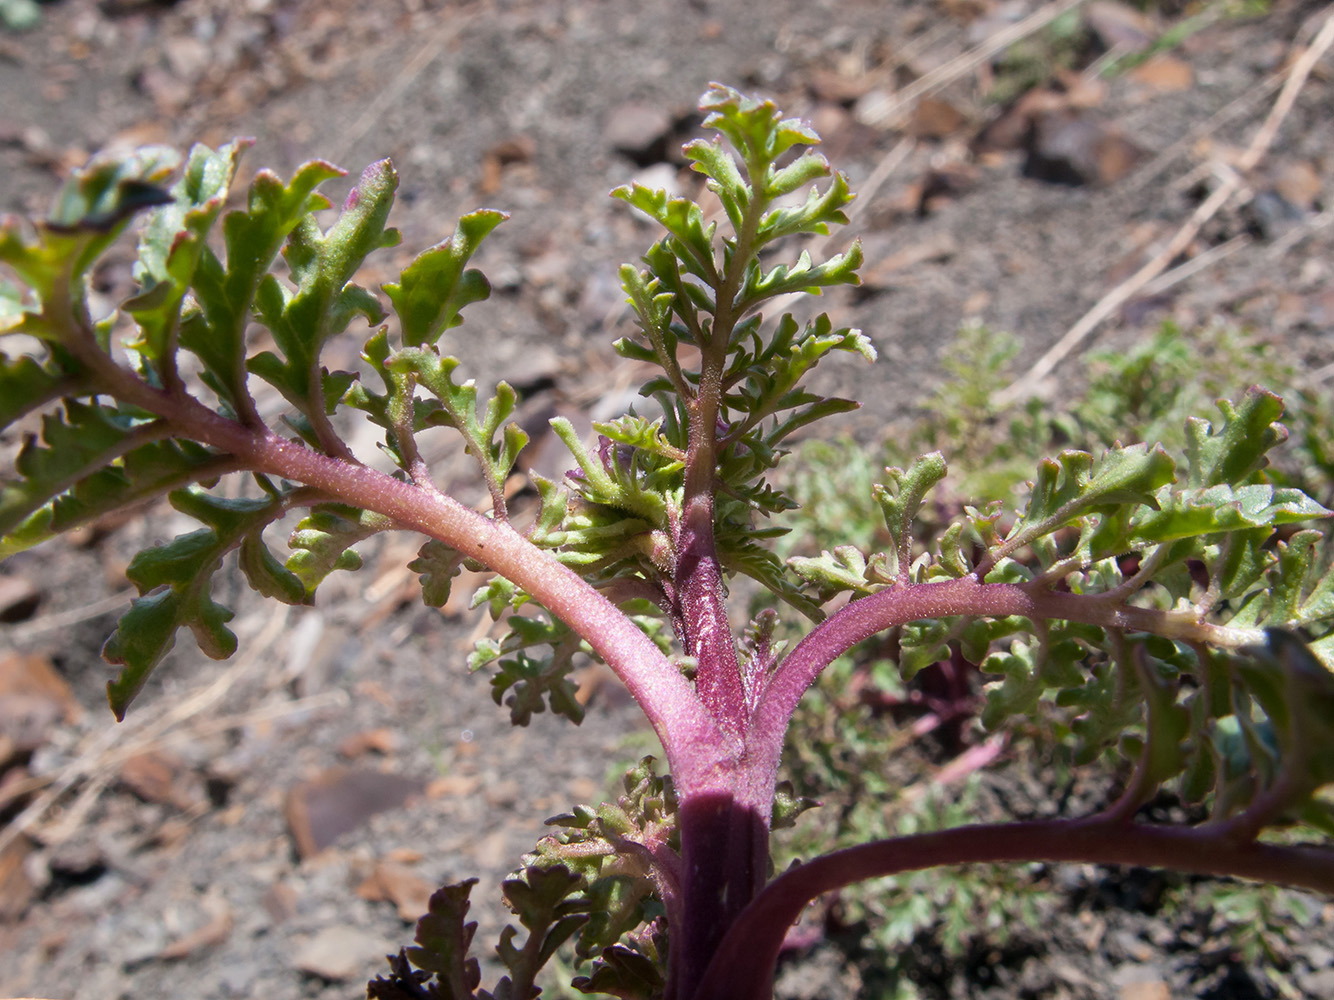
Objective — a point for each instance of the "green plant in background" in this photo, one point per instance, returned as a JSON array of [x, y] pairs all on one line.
[[19, 15], [846, 744], [1139, 610]]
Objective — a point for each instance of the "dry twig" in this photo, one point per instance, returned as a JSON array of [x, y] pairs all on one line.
[[1023, 387], [968, 61], [114, 745]]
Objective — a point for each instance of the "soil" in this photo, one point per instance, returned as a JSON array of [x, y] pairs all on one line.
[[178, 874]]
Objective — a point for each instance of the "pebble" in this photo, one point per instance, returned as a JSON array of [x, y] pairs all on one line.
[[338, 953], [638, 130], [321, 810]]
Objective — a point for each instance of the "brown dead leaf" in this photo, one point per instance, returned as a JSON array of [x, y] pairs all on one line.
[[967, 11], [934, 118], [453, 784], [519, 149], [16, 889], [33, 698], [1298, 183], [400, 885], [153, 776], [1164, 73], [381, 741]]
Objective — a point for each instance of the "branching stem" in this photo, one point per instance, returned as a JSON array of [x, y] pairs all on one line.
[[742, 967]]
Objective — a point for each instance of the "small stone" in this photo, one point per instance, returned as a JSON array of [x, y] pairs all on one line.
[[639, 131], [338, 953], [1119, 26], [1154, 989], [187, 56], [281, 902], [19, 598], [1072, 148], [238, 977], [1319, 983], [321, 810], [211, 934], [832, 86], [78, 862]]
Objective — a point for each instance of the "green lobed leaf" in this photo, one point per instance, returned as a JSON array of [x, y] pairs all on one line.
[[323, 542], [831, 573], [170, 248], [174, 581], [444, 940], [619, 884], [75, 445], [724, 179], [752, 125], [765, 379], [437, 564], [900, 497], [1075, 484], [137, 476], [820, 210], [1238, 448], [459, 410], [437, 284], [608, 481], [325, 298], [91, 210], [623, 973], [528, 684], [27, 383], [804, 276], [1221, 508], [540, 897], [681, 217], [741, 550], [215, 332]]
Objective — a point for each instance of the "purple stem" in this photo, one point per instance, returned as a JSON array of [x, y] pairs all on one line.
[[742, 968], [707, 634], [898, 605], [664, 695]]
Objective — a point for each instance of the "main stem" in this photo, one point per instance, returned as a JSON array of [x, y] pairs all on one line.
[[724, 813]]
